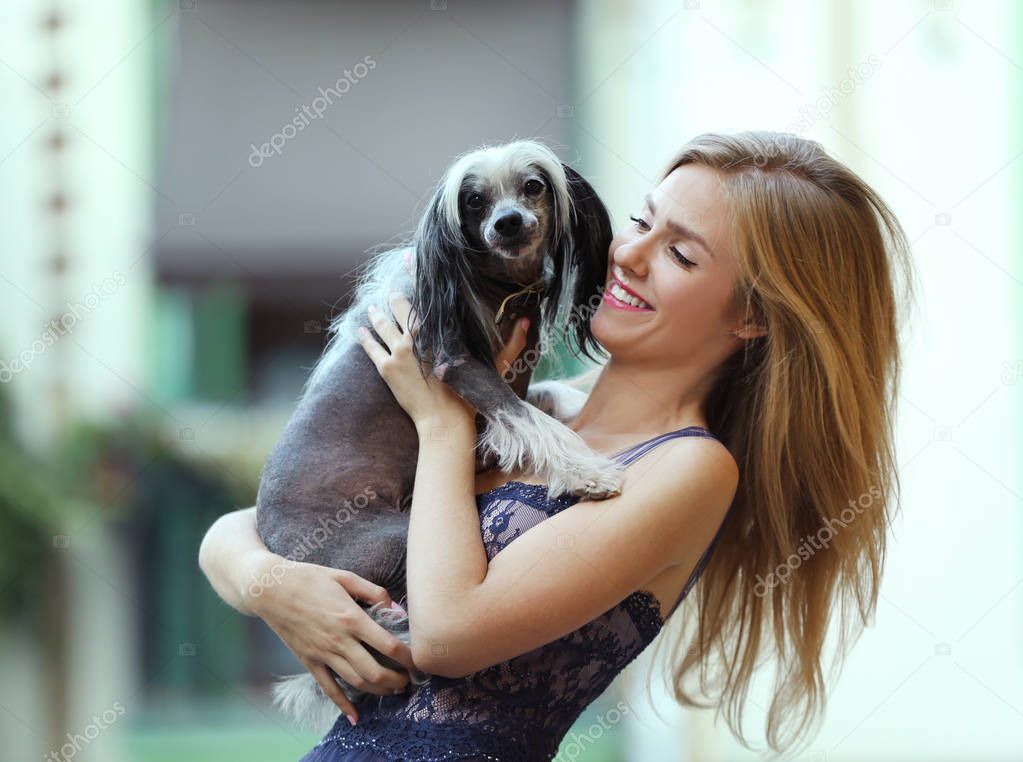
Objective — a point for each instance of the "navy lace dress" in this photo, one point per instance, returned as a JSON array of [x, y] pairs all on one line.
[[520, 709]]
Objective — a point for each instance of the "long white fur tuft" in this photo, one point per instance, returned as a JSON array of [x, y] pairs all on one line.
[[524, 436], [301, 698]]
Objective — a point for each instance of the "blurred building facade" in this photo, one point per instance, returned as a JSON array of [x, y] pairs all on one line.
[[188, 188]]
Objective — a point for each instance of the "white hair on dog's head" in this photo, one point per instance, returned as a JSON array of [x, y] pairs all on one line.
[[458, 274], [503, 165]]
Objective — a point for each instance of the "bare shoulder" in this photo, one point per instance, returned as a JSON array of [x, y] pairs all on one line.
[[686, 458], [684, 486]]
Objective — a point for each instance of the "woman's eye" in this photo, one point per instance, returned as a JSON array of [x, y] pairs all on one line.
[[678, 255], [682, 259]]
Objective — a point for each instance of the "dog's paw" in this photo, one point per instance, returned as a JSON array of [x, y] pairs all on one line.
[[586, 484]]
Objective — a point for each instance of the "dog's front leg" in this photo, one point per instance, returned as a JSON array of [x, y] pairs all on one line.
[[522, 437]]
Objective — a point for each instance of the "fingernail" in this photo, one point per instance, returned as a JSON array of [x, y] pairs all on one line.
[[525, 323], [351, 718]]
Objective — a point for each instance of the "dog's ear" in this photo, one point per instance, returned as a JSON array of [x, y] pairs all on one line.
[[580, 274], [443, 297]]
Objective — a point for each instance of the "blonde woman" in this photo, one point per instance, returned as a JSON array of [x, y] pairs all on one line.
[[750, 314]]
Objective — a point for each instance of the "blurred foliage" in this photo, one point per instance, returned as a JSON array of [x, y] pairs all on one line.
[[159, 501], [156, 502], [31, 516]]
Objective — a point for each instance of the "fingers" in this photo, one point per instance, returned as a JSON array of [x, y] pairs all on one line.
[[373, 348], [362, 589], [386, 643], [385, 327], [370, 632], [514, 346], [325, 679], [402, 310], [372, 676]]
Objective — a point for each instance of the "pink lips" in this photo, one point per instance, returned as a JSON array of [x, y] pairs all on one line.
[[618, 304]]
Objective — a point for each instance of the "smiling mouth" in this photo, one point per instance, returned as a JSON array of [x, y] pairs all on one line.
[[624, 298]]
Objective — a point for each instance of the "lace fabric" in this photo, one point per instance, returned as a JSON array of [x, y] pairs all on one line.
[[520, 709]]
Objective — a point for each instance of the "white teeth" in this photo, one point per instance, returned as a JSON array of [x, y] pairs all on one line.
[[623, 295]]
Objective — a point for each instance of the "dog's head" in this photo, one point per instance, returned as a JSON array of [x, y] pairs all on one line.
[[504, 217]]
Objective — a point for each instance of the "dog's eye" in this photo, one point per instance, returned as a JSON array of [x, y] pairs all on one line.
[[533, 187], [474, 201]]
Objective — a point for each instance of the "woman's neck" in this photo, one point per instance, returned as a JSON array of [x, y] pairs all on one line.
[[629, 401]]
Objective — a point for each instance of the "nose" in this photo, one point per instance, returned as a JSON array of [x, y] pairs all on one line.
[[631, 256], [509, 224]]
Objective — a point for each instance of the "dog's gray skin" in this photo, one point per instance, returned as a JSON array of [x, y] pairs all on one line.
[[337, 488]]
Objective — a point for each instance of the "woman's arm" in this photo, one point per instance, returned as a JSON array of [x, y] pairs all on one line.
[[232, 556], [309, 607], [468, 614]]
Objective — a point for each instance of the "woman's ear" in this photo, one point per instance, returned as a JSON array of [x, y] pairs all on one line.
[[754, 326], [750, 330], [582, 267], [749, 316], [448, 325]]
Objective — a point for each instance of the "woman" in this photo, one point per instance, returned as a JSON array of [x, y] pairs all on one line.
[[756, 299]]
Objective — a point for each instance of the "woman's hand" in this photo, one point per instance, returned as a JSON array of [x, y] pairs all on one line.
[[311, 609], [426, 398], [421, 394], [512, 349]]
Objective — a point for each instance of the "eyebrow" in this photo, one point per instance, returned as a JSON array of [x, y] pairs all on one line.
[[680, 229]]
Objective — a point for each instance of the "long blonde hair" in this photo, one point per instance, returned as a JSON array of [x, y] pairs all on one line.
[[807, 411]]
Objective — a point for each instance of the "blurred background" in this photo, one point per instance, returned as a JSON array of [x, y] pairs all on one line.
[[186, 189]]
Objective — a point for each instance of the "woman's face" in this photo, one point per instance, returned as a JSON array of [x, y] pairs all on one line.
[[678, 259]]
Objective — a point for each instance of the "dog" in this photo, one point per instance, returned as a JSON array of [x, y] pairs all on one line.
[[510, 231]]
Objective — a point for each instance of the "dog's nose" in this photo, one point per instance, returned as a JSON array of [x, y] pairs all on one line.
[[509, 225]]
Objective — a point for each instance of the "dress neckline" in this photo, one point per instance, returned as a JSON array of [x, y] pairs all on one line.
[[616, 455]]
